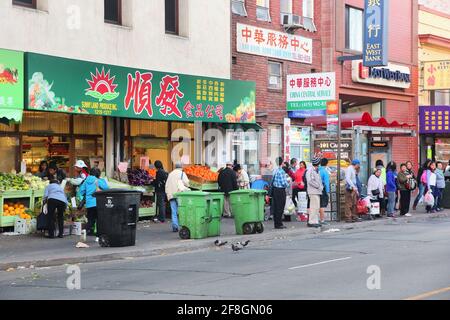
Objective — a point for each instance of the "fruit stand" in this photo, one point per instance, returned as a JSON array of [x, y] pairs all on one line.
[[202, 178]]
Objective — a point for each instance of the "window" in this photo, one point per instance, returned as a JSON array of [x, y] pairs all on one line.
[[286, 6], [274, 150], [308, 15], [25, 3], [275, 75], [113, 11], [262, 10], [353, 29], [238, 7], [440, 98], [171, 16]]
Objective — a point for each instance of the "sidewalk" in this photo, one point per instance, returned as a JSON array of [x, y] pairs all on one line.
[[155, 239]]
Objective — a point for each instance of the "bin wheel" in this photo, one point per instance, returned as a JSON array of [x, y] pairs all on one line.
[[259, 227], [184, 233], [103, 241], [248, 228]]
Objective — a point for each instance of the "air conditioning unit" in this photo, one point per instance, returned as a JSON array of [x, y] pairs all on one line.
[[291, 21]]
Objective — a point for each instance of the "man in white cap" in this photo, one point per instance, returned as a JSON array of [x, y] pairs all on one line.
[[315, 189], [80, 173]]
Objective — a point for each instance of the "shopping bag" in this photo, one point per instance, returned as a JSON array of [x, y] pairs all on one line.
[[361, 207], [429, 199], [289, 208], [302, 202], [42, 221], [375, 208]]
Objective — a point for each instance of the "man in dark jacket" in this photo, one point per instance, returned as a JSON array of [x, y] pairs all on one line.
[[55, 173], [160, 189], [227, 183]]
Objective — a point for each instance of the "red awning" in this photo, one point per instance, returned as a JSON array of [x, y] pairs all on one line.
[[356, 119]]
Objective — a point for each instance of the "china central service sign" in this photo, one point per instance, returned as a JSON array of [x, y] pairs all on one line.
[[270, 43]]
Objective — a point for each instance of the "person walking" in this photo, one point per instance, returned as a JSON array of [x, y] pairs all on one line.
[[404, 178], [279, 185], [421, 185], [324, 199], [160, 189], [391, 187], [92, 184], [298, 184], [429, 177], [440, 185], [351, 192], [177, 181], [56, 201], [243, 180], [227, 181], [315, 190]]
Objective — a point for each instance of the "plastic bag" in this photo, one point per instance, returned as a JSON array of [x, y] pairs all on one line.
[[429, 199], [289, 208], [367, 202], [361, 207]]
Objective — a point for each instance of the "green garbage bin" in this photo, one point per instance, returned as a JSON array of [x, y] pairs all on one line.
[[247, 207], [215, 212], [193, 211]]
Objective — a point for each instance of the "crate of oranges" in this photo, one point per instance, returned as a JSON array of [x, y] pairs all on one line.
[[12, 211], [201, 174]]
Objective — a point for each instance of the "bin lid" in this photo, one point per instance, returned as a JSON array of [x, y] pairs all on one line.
[[191, 193], [116, 192], [247, 191]]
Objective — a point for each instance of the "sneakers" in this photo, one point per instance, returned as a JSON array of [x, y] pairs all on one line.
[[324, 223], [408, 215], [313, 225]]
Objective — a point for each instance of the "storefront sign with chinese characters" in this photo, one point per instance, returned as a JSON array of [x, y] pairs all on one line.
[[375, 48], [11, 84], [310, 91], [73, 86], [434, 119], [287, 139], [271, 43], [332, 117], [393, 75], [436, 75]]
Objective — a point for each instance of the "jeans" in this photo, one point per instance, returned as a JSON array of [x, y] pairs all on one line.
[[441, 193], [92, 220], [174, 209], [391, 202], [420, 195], [161, 206]]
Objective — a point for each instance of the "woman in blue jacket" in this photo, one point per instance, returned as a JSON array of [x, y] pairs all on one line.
[[391, 187], [92, 184]]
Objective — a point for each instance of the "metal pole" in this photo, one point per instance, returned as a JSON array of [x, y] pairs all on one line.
[[338, 178]]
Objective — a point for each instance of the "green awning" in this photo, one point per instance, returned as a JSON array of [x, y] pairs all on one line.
[[7, 115], [243, 126]]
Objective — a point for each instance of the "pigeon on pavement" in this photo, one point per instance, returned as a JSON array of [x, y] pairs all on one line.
[[220, 243]]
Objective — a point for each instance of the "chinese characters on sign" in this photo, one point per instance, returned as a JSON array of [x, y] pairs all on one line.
[[434, 119], [375, 48], [287, 139], [437, 75], [270, 43], [332, 117], [310, 91], [116, 91]]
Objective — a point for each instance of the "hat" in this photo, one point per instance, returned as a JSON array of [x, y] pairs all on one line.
[[356, 162], [80, 164], [316, 161], [229, 163]]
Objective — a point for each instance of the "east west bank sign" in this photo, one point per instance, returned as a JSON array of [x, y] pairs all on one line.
[[393, 75]]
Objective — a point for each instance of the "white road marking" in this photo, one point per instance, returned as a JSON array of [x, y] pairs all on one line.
[[318, 263]]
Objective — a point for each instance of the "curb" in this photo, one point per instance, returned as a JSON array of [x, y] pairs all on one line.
[[203, 244]]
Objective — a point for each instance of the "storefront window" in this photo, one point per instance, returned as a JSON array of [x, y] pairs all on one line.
[[7, 128], [45, 122], [274, 149], [158, 129], [442, 147], [87, 125], [8, 150], [36, 149]]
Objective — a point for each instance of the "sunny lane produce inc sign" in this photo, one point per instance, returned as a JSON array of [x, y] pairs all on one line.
[[72, 86]]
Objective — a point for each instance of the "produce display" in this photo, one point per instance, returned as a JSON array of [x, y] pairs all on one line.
[[12, 182], [35, 183], [139, 177], [202, 172], [17, 209], [146, 204], [152, 173]]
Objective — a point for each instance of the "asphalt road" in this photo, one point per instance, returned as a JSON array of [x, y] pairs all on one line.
[[412, 261]]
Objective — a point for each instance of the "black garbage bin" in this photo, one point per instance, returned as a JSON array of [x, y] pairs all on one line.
[[118, 213], [445, 203]]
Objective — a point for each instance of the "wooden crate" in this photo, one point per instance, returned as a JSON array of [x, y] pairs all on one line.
[[199, 180], [210, 186], [13, 196]]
